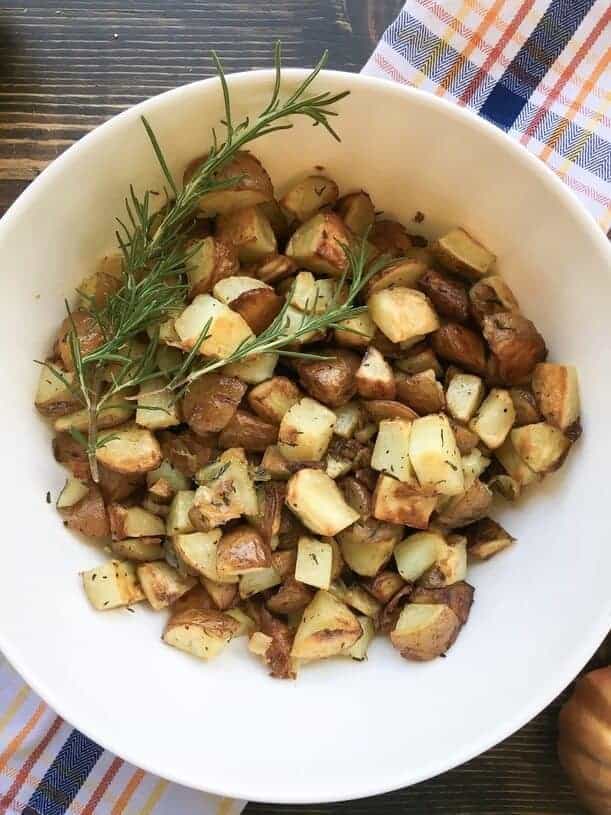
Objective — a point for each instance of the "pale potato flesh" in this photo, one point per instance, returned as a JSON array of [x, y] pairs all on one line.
[[327, 628], [317, 501]]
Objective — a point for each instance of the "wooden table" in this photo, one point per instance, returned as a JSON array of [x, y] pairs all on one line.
[[65, 67]]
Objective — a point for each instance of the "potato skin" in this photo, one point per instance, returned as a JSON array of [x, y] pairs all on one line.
[[516, 344], [89, 515], [448, 296], [258, 308], [117, 486], [459, 597], [72, 454], [460, 345], [430, 642], [525, 406], [248, 431], [88, 334], [211, 402], [421, 392], [390, 238], [380, 409], [186, 451], [291, 596], [242, 549], [331, 381]]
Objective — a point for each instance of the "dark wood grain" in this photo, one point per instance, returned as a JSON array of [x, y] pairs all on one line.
[[65, 67]]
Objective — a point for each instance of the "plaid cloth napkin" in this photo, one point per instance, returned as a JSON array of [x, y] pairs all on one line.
[[540, 70]]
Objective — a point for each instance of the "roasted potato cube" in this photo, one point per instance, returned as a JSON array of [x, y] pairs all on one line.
[[305, 431], [203, 634], [357, 212], [374, 377], [525, 406], [486, 538], [140, 550], [494, 418], [367, 546], [459, 344], [304, 199], [246, 430], [73, 491], [491, 296], [349, 418], [88, 515], [270, 503], [228, 495], [187, 451], [272, 399], [331, 381], [274, 268], [317, 245], [434, 455], [56, 394], [162, 585], [130, 449], [311, 295], [380, 409], [318, 503], [178, 520], [463, 255], [541, 446], [359, 650], [277, 466], [113, 413], [223, 595], [425, 631], [401, 503], [466, 440], [259, 644], [356, 597], [87, 332], [458, 596], [254, 186], [448, 295], [473, 465], [419, 358], [229, 289], [156, 406], [514, 465], [226, 329], [274, 214], [291, 597], [254, 369], [557, 393], [134, 522], [111, 585], [327, 628], [419, 552], [505, 486], [384, 586], [404, 272], [293, 327], [256, 582], [211, 401], [213, 260], [357, 332], [314, 563], [245, 623], [391, 451], [464, 395], [242, 550], [255, 301], [516, 345], [402, 314], [198, 552], [421, 391], [463, 509], [390, 238], [71, 453], [96, 289], [336, 467]]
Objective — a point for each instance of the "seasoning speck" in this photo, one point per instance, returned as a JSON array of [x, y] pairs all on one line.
[[419, 217], [48, 498]]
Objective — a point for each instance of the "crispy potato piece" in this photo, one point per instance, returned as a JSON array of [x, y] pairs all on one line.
[[293, 319], [514, 465], [134, 522], [156, 408], [357, 332], [305, 198], [87, 332], [275, 268], [196, 598], [515, 343], [419, 552], [459, 252], [226, 328], [285, 560], [358, 651], [463, 509], [425, 631], [402, 314], [130, 449], [223, 595], [419, 358], [278, 653], [557, 393], [270, 501], [318, 503], [491, 296], [314, 563], [357, 496], [357, 211], [331, 381], [390, 238], [111, 585], [349, 420], [229, 494], [494, 418], [246, 430], [271, 399], [460, 345], [473, 465], [464, 395], [88, 515], [140, 550], [97, 288], [374, 378], [253, 583], [279, 467], [505, 486], [114, 413], [391, 451], [466, 440], [458, 597], [450, 568], [356, 597], [392, 609], [311, 295], [316, 245], [541, 446], [448, 295], [258, 304], [367, 546], [525, 406], [70, 452], [197, 553], [53, 397], [384, 586], [402, 503], [434, 455], [405, 272], [211, 402], [486, 538], [162, 585], [242, 550], [203, 634], [327, 628], [422, 392], [305, 431], [73, 491], [186, 451], [254, 369], [213, 260], [274, 214], [380, 409], [254, 187]]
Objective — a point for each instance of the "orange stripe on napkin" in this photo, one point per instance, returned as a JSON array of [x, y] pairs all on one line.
[[153, 799], [27, 765], [16, 743], [128, 791], [101, 788]]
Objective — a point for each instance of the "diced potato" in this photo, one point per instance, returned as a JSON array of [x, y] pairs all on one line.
[[304, 199], [213, 260], [421, 391], [349, 418], [473, 504], [88, 515], [434, 455], [317, 245], [255, 301], [463, 255], [141, 550], [226, 328], [165, 471], [380, 409], [464, 395], [419, 359], [337, 467], [249, 432], [390, 238], [223, 595], [404, 272], [55, 395], [359, 650], [311, 295], [494, 419], [374, 378], [541, 446], [111, 585], [385, 585], [367, 546], [356, 597], [130, 449], [113, 413], [402, 314], [401, 503], [274, 214], [275, 268], [505, 486], [557, 393], [246, 624], [242, 550], [419, 552], [357, 332], [73, 491], [273, 398], [525, 406], [514, 465], [358, 495], [134, 522], [178, 521], [253, 188], [357, 211], [305, 431], [157, 408], [162, 585], [290, 598], [293, 327], [391, 451], [255, 582], [254, 369], [425, 631], [259, 643], [490, 296], [318, 502], [473, 465], [203, 634], [199, 552], [448, 569], [314, 562], [95, 289], [87, 332], [230, 288], [227, 496], [486, 538], [327, 628]]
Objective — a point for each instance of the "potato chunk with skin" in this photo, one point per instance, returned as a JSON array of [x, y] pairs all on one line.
[[367, 546], [419, 358], [458, 344], [198, 552], [304, 199], [494, 418], [513, 464], [254, 187], [88, 515], [242, 550], [448, 295], [211, 401], [404, 272], [331, 381], [357, 332], [318, 502], [458, 596], [464, 395], [486, 538], [228, 495], [272, 399], [203, 634], [254, 369], [212, 261], [53, 397], [419, 552], [162, 585], [516, 345], [490, 296], [111, 585], [140, 550], [390, 238], [327, 628], [156, 408], [402, 313], [425, 631], [525, 407], [434, 455], [291, 597], [374, 378], [357, 211], [421, 391], [246, 430], [450, 568], [380, 409], [463, 255], [541, 446], [384, 586], [314, 563], [130, 449], [391, 451], [305, 431], [557, 393], [256, 582], [252, 299], [87, 332], [317, 245], [463, 509], [134, 522], [226, 328], [402, 503]]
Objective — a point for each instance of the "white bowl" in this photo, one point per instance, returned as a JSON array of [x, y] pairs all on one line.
[[343, 730]]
